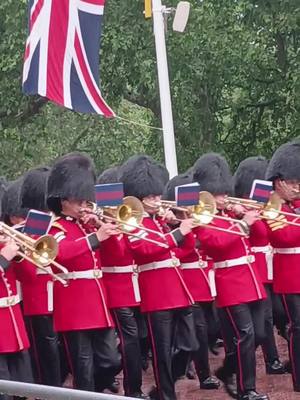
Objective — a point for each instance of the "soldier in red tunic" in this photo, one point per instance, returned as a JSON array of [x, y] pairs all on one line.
[[198, 276], [14, 343], [80, 309], [238, 285], [37, 292], [164, 296], [121, 283], [284, 171], [248, 170]]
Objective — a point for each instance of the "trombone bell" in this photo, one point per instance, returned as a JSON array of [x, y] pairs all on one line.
[[45, 250]]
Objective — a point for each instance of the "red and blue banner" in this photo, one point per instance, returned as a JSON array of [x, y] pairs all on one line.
[[187, 195], [261, 190], [37, 223], [109, 194]]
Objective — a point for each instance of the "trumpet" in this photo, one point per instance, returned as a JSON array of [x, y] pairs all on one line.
[[271, 210], [203, 213], [128, 216], [41, 252]]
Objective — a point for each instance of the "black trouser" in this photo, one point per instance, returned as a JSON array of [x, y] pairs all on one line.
[[279, 314], [172, 337], [200, 357], [269, 344], [126, 323], [94, 358], [292, 307], [44, 351], [15, 367], [243, 329]]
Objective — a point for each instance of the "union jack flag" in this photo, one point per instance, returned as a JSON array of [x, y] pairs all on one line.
[[62, 53]]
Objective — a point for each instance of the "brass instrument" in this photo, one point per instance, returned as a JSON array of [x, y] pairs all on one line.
[[128, 216], [41, 252], [271, 210], [203, 213]]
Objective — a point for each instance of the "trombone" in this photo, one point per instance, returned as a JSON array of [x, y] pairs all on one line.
[[204, 212], [129, 216], [40, 252], [271, 210]]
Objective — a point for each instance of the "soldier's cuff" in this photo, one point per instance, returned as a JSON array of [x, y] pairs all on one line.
[[93, 241], [177, 236], [4, 263], [245, 227]]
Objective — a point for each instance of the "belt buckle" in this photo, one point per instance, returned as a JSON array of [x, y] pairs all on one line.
[[226, 264], [135, 269], [97, 273], [174, 262], [249, 259], [72, 275], [201, 263], [10, 301]]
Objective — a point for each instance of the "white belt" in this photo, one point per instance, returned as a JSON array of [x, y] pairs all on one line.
[[169, 263], [9, 301], [41, 272], [288, 250], [89, 274], [194, 265], [235, 262], [119, 270], [262, 249]]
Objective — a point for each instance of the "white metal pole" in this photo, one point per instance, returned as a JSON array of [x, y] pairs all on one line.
[[164, 88]]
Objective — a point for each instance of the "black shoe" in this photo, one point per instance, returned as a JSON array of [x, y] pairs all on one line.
[[153, 394], [210, 383], [114, 387], [275, 368], [288, 367], [253, 395], [140, 395], [229, 382]]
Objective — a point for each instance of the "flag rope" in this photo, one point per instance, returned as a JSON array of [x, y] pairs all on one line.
[[128, 121]]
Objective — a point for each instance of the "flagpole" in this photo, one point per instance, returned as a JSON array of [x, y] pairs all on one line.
[[164, 87]]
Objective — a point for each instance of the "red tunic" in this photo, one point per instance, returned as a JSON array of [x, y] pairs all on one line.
[[115, 252], [35, 289], [259, 238], [196, 279], [83, 303], [13, 336], [163, 288], [286, 266], [237, 284]]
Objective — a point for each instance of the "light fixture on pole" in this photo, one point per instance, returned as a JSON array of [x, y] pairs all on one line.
[[180, 20]]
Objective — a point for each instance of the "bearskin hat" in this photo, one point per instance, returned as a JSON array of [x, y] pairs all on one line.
[[248, 170], [11, 202], [142, 176], [110, 175], [72, 176], [213, 174], [285, 163], [33, 191], [181, 179]]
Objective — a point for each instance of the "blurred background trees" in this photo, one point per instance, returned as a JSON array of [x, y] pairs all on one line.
[[234, 77]]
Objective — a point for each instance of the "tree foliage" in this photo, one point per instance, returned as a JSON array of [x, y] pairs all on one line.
[[234, 79]]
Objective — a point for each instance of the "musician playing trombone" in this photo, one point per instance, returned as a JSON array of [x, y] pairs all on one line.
[[14, 344], [284, 171], [165, 299], [239, 288], [80, 312]]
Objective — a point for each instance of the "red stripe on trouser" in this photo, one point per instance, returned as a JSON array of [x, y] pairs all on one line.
[[69, 359], [35, 352], [291, 338], [238, 347], [124, 364], [154, 355]]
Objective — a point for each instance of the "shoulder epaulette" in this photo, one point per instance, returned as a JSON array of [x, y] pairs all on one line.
[[56, 224]]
